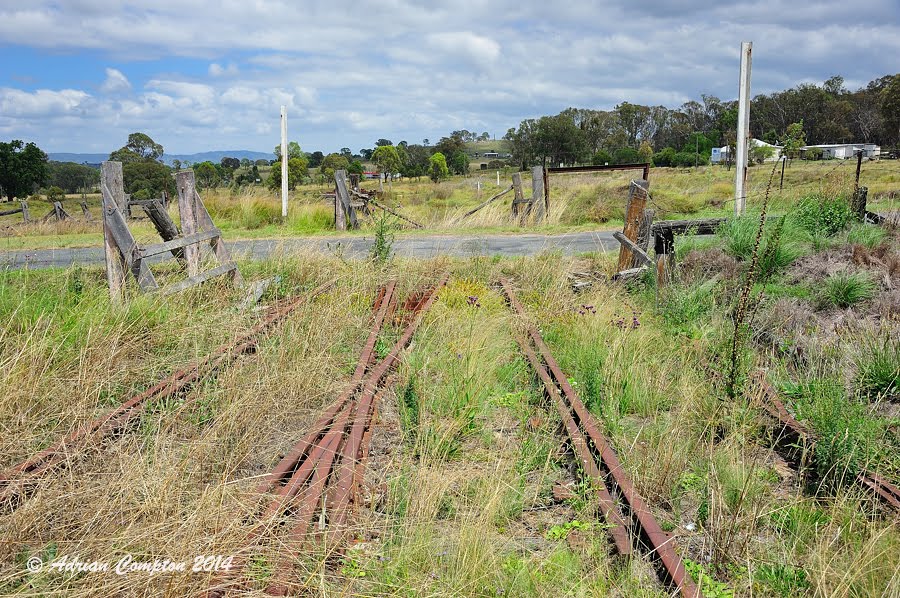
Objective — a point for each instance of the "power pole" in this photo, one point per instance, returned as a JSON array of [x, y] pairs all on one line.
[[743, 131], [284, 163]]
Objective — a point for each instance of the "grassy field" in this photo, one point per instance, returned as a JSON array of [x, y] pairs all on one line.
[[578, 202], [467, 458]]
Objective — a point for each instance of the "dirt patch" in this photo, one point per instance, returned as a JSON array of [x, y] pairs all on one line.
[[701, 264]]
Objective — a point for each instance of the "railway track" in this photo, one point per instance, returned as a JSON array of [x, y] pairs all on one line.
[[631, 524], [310, 492], [16, 482], [795, 442]]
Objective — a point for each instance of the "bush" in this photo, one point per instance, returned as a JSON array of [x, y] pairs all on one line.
[[55, 194], [140, 195], [626, 155], [843, 289], [823, 215], [601, 157], [739, 235], [878, 368]]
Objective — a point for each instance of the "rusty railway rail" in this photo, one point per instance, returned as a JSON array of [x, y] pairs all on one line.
[[316, 482], [16, 481], [632, 525], [795, 441]]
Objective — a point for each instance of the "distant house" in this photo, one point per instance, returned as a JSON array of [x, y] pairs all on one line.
[[371, 175], [720, 154], [843, 151], [491, 155]]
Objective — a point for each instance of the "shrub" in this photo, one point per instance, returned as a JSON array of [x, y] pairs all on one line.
[[844, 289], [878, 368], [55, 194], [664, 157], [777, 250], [601, 157], [823, 215]]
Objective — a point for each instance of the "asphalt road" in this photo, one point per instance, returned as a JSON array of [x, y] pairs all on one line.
[[351, 247]]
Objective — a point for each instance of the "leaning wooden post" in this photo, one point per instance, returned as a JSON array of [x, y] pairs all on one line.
[[665, 257], [184, 183], [538, 201], [113, 197], [86, 212], [634, 210], [26, 215], [164, 224], [858, 204], [342, 195], [518, 195]]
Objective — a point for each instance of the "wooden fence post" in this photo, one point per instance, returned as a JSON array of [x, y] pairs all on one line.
[[184, 183], [113, 197], [518, 194], [665, 258], [26, 215], [538, 201], [858, 203], [164, 224], [634, 210], [644, 234], [205, 221], [342, 199]]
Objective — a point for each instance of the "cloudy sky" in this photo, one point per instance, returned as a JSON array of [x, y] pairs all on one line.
[[79, 75]]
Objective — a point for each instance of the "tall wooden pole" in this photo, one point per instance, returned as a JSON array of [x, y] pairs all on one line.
[[743, 131], [284, 163]]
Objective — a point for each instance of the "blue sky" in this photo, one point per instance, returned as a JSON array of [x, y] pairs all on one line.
[[79, 75]]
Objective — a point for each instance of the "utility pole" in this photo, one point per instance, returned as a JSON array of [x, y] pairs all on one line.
[[743, 131], [284, 163]]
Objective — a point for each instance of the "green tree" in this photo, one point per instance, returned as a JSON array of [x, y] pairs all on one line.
[[294, 151], [297, 171], [207, 175], [142, 145], [331, 163], [794, 139], [387, 159], [459, 163], [72, 177], [760, 153], [22, 168], [54, 193], [149, 175], [890, 109], [437, 167], [356, 167]]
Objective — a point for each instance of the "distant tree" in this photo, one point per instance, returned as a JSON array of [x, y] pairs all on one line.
[[602, 157], [366, 153], [626, 155], [665, 157], [263, 161], [459, 163], [331, 163], [890, 109], [294, 151], [416, 162], [126, 156], [794, 139], [485, 136], [245, 162], [22, 168], [176, 164], [425, 142], [72, 177], [347, 153], [356, 167], [144, 146], [315, 159], [149, 175], [207, 175], [54, 193], [383, 142], [761, 153], [437, 167], [297, 171], [387, 159], [450, 145], [232, 163], [645, 152]]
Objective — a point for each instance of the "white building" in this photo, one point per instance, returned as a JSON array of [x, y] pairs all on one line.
[[843, 151], [720, 154]]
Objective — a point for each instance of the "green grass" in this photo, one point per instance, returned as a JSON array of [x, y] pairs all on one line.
[[878, 368], [845, 289]]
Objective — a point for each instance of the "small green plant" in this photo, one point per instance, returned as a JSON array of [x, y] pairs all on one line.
[[561, 531], [823, 215], [709, 587], [844, 289], [783, 580], [385, 225], [866, 235]]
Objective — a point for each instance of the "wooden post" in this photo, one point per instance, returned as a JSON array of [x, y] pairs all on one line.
[[859, 157], [538, 201], [518, 194], [113, 194], [86, 212], [354, 182], [858, 204], [205, 221], [26, 215], [665, 258], [284, 163], [634, 211], [342, 194], [184, 183], [781, 184], [743, 130], [643, 237], [164, 225], [546, 193], [646, 172]]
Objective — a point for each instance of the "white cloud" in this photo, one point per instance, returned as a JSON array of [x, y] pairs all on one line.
[[115, 82], [217, 70]]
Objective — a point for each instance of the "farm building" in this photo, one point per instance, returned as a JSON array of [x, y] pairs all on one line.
[[720, 154], [843, 151]]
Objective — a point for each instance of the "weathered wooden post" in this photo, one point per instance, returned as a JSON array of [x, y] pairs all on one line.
[[644, 233], [113, 198], [518, 194], [347, 217], [538, 201], [86, 212], [858, 203], [26, 215], [634, 214], [184, 184], [354, 181], [665, 257]]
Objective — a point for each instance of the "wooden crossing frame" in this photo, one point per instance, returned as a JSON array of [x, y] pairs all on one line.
[[124, 254]]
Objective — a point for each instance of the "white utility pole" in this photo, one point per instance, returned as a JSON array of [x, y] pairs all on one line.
[[743, 131], [498, 178], [284, 162]]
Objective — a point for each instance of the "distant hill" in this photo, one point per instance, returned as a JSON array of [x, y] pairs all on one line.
[[214, 156]]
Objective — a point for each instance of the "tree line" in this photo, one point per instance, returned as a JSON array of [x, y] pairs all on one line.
[[684, 136]]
